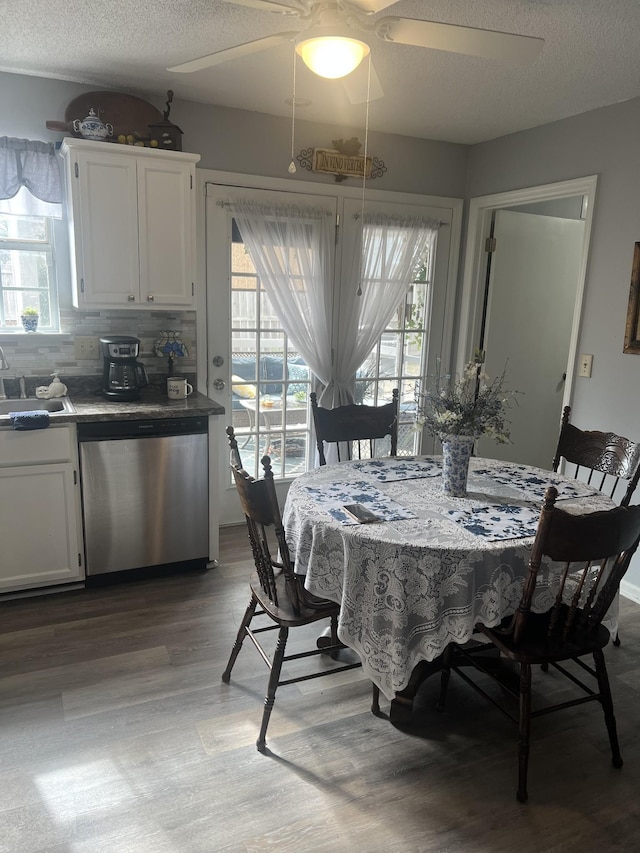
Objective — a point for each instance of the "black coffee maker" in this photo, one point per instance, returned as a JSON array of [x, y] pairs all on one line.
[[123, 376]]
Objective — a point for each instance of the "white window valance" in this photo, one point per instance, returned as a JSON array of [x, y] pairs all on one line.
[[30, 179]]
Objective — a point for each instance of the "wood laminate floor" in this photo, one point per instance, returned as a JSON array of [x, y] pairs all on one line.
[[118, 736]]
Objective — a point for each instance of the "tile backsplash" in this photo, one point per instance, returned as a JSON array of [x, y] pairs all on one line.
[[38, 355]]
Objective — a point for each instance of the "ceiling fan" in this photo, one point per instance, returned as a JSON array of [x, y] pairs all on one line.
[[341, 30]]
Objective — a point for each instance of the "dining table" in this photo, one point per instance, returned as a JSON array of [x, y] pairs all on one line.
[[431, 566]]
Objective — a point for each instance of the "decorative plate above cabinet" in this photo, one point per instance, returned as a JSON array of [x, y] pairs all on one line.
[[132, 225]]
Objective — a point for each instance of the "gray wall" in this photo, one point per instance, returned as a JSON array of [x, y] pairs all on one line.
[[244, 142], [602, 142], [563, 208]]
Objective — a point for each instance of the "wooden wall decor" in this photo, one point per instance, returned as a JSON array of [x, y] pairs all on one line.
[[343, 160], [632, 331]]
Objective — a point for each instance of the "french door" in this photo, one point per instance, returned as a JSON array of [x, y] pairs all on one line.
[[266, 383]]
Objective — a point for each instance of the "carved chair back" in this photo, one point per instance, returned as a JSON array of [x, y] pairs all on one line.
[[593, 552], [354, 428], [607, 458]]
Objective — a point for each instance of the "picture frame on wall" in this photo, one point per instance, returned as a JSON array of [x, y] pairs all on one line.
[[632, 330]]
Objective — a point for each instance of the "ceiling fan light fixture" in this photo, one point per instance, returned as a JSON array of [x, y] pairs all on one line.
[[332, 56]]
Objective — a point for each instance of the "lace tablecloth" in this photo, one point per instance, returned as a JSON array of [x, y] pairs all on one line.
[[434, 565]]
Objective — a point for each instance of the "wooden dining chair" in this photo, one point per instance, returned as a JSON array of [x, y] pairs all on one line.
[[609, 462], [235, 460], [277, 592], [355, 428], [591, 553]]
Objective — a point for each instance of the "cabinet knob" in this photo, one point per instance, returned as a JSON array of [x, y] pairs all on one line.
[[150, 298], [131, 298]]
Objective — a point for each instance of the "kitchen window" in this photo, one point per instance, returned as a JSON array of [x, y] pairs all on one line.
[[30, 212], [27, 271]]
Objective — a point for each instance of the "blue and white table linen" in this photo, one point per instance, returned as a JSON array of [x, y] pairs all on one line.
[[530, 483], [408, 587], [496, 522], [332, 498], [400, 468]]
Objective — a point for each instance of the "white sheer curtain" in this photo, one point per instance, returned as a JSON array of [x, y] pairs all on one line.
[[30, 179], [291, 248], [385, 261]]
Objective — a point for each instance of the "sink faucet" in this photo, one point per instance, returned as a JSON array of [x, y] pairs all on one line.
[[3, 366], [23, 392]]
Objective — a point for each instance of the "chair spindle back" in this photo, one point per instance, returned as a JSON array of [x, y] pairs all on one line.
[[349, 426], [593, 552]]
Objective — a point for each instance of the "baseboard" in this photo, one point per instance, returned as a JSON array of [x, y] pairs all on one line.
[[630, 590]]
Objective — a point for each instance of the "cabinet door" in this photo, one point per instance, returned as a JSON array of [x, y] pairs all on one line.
[[105, 220], [39, 526], [165, 205]]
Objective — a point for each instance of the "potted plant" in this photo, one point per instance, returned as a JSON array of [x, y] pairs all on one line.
[[459, 409], [29, 319]]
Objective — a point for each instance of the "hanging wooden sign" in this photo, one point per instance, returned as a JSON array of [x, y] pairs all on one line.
[[343, 160]]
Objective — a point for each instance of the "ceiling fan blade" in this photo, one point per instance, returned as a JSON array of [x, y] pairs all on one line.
[[232, 53], [266, 6], [355, 84], [371, 6], [490, 44]]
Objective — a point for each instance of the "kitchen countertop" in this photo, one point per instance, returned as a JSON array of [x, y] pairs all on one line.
[[151, 405]]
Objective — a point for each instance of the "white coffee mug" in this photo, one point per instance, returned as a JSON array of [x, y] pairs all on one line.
[[178, 388]]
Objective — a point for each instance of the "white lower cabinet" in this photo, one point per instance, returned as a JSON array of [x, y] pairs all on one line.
[[40, 521]]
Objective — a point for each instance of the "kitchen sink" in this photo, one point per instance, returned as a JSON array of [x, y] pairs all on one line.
[[57, 406]]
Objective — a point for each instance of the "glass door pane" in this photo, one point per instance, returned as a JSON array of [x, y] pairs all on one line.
[[406, 351], [270, 383]]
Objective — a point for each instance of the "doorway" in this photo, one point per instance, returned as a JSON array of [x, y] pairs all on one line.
[[523, 299], [394, 361]]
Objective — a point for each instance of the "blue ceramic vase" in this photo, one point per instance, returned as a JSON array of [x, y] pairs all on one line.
[[456, 453]]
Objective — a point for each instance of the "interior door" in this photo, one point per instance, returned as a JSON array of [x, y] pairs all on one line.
[[530, 309]]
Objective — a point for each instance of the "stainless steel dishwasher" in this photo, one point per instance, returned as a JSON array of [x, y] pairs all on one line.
[[144, 493]]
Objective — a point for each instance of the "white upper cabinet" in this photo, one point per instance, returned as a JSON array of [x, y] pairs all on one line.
[[132, 225]]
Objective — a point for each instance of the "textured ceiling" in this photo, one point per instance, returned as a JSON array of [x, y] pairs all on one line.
[[590, 59]]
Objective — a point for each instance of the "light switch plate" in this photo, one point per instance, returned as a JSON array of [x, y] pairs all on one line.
[[86, 347], [586, 361]]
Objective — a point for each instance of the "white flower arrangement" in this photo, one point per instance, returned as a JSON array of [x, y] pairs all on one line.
[[470, 404]]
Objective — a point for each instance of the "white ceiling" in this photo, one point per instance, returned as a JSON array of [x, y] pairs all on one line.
[[590, 59]]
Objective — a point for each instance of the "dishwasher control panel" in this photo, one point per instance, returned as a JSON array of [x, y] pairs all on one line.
[[100, 430]]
